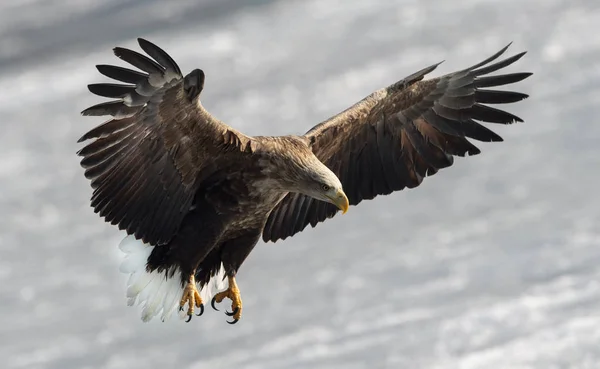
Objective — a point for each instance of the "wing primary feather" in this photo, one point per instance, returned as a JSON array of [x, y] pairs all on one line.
[[127, 93], [121, 74], [478, 132], [415, 77], [451, 114], [499, 65], [159, 55], [112, 90], [115, 108], [500, 80], [442, 124], [490, 59], [493, 115], [460, 146], [498, 97], [459, 101], [138, 60]]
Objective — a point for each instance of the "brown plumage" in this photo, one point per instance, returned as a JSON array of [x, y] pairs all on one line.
[[200, 194]]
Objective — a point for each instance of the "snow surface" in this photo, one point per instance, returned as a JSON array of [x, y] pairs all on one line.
[[493, 263]]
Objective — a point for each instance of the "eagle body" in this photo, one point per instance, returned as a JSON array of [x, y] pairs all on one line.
[[195, 195], [231, 207]]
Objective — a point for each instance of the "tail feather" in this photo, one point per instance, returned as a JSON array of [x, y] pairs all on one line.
[[153, 292], [170, 304], [156, 300]]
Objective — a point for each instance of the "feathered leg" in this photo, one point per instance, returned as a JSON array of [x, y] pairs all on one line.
[[233, 254], [195, 240]]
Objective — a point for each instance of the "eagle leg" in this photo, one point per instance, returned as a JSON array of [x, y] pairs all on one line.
[[191, 296], [233, 293]]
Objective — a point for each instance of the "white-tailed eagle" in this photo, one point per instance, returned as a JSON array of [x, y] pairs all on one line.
[[195, 195]]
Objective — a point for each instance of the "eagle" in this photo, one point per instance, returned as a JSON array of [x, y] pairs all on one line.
[[195, 195]]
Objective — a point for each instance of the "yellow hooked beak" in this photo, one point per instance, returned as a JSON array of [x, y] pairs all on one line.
[[341, 201]]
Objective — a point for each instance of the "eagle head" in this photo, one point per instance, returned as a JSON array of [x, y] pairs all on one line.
[[299, 170]]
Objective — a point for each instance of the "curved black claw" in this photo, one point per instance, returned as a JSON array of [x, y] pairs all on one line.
[[181, 308], [212, 303], [189, 318], [233, 321], [233, 312], [201, 310]]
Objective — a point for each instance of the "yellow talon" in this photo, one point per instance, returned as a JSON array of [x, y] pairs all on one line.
[[191, 296], [233, 293]]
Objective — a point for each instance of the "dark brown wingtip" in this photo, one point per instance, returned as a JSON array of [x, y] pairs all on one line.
[[160, 55], [117, 50], [417, 76], [527, 74], [491, 58]]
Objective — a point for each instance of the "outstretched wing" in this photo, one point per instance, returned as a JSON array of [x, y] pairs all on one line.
[[147, 162], [396, 136]]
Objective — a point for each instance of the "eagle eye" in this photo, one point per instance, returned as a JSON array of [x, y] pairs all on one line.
[[325, 187]]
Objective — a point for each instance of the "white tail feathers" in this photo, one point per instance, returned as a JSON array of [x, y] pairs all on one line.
[[156, 294]]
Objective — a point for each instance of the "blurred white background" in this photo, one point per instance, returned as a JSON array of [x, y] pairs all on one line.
[[493, 263]]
